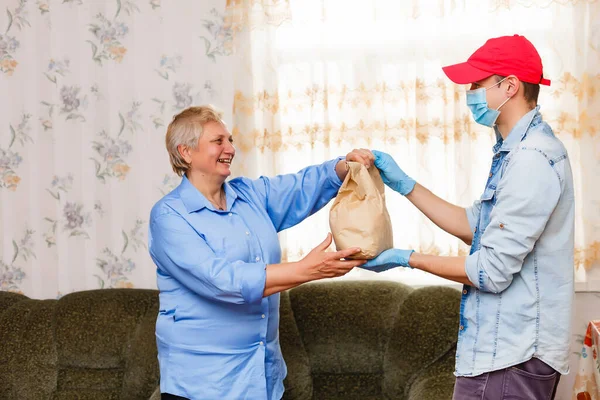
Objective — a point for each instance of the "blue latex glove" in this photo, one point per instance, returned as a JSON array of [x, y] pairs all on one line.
[[389, 259], [392, 175]]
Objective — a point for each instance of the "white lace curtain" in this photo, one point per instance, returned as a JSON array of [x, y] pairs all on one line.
[[316, 78]]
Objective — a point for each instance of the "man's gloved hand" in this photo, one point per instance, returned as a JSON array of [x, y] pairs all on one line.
[[392, 175], [389, 259]]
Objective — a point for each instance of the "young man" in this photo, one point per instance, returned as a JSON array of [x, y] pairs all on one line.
[[513, 338]]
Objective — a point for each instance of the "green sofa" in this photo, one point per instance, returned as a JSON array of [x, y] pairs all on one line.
[[340, 339]]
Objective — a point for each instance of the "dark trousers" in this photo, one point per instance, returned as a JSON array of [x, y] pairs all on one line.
[[531, 380], [167, 396]]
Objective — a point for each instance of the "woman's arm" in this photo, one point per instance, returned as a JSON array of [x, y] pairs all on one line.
[[318, 264], [291, 198], [180, 252]]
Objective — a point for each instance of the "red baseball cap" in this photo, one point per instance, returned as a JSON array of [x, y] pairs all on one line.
[[505, 55]]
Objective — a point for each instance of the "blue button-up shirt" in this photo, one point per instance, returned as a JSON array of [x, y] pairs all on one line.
[[217, 336], [521, 260]]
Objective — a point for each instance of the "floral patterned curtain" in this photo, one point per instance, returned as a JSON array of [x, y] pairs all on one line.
[[88, 88]]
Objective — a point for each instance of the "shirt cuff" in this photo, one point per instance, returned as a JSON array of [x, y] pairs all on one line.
[[331, 174], [474, 273], [253, 277], [472, 216]]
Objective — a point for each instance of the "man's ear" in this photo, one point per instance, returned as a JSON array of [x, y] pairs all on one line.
[[512, 85], [184, 152]]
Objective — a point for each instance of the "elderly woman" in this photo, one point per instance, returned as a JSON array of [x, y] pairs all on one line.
[[219, 267]]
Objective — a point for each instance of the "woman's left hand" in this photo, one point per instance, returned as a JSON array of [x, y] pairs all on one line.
[[363, 156]]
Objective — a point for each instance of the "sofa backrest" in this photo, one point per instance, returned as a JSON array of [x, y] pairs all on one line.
[[363, 339], [340, 340], [96, 344]]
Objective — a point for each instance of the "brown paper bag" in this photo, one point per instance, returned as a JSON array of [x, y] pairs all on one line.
[[358, 216]]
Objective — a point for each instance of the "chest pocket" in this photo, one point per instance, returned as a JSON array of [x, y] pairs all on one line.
[[488, 201], [217, 243], [232, 245]]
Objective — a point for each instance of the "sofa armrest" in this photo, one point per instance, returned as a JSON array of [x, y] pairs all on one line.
[[156, 394], [435, 382]]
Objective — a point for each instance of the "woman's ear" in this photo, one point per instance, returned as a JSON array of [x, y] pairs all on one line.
[[184, 152]]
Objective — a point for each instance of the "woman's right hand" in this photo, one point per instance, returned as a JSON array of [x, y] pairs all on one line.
[[320, 263]]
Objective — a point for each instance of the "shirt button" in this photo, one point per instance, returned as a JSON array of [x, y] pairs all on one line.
[[262, 316], [257, 258], [465, 291], [230, 214], [490, 177], [247, 233], [501, 226], [475, 231], [261, 343], [461, 328]]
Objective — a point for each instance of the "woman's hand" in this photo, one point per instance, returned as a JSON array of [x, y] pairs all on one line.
[[363, 156], [317, 264], [320, 263]]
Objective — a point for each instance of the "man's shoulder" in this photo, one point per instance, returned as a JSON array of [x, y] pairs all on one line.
[[541, 138]]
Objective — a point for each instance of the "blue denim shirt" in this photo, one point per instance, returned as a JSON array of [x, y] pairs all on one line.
[[521, 259], [217, 337]]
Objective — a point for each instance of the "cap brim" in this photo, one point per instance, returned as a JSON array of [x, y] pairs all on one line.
[[464, 73]]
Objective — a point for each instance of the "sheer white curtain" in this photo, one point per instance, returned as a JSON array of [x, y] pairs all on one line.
[[315, 78]]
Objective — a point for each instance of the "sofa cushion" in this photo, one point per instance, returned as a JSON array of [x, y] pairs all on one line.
[[95, 331], [89, 345], [435, 382], [424, 332], [298, 383], [28, 357], [345, 328]]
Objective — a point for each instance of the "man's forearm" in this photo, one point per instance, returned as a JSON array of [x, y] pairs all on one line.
[[452, 268], [447, 216]]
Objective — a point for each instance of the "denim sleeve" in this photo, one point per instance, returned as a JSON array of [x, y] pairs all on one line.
[[526, 196], [292, 198], [178, 250], [473, 214]]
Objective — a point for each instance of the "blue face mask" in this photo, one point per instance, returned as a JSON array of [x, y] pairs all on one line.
[[477, 103]]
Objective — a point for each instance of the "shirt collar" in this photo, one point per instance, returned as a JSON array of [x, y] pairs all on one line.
[[517, 133], [195, 201]]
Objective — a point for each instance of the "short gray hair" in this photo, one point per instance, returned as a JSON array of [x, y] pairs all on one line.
[[185, 129]]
